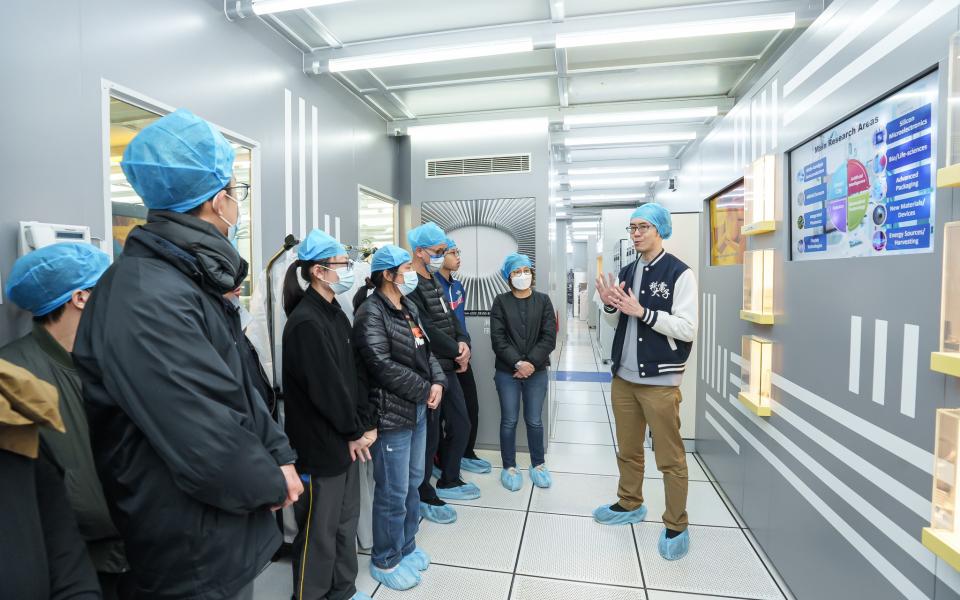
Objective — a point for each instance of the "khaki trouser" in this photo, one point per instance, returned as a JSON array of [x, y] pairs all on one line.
[[634, 407]]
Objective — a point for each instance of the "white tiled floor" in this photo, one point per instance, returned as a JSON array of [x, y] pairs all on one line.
[[543, 544]]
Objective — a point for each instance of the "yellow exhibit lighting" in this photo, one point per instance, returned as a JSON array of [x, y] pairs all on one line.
[[758, 287], [941, 537], [759, 196], [947, 360], [758, 355]]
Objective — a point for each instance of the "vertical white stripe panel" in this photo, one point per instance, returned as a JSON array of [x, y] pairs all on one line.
[[716, 347], [336, 227], [908, 386], [856, 325], [287, 162], [774, 115], [754, 110], [726, 372], [315, 188], [763, 122], [879, 361], [709, 338], [703, 334], [326, 223], [302, 175]]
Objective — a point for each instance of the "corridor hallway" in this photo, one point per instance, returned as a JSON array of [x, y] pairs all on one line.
[[543, 544]]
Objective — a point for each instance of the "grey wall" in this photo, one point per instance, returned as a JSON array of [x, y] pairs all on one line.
[[580, 256], [514, 185], [182, 53], [834, 486]]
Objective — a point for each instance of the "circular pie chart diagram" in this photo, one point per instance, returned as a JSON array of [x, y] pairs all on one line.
[[848, 195]]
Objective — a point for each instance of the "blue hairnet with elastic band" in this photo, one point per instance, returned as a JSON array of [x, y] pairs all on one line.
[[389, 257], [319, 245], [44, 280], [513, 262], [451, 244], [178, 162], [656, 215], [425, 236]]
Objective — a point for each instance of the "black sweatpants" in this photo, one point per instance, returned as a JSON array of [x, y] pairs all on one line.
[[469, 386], [325, 549], [449, 441]]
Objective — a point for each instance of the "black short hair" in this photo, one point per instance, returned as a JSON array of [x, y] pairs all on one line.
[[51, 317]]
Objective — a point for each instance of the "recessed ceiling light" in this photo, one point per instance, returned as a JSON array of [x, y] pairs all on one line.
[[640, 138], [645, 116], [268, 7], [479, 128], [618, 170], [624, 182], [429, 55]]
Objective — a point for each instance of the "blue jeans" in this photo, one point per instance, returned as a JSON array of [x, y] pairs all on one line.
[[398, 470], [533, 391]]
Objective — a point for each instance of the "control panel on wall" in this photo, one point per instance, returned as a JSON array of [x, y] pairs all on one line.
[[34, 235]]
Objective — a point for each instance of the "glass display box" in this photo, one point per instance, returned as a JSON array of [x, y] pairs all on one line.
[[758, 287], [759, 196], [947, 360], [758, 358], [941, 537], [949, 176]]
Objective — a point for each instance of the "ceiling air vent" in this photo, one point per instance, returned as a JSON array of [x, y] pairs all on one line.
[[478, 165]]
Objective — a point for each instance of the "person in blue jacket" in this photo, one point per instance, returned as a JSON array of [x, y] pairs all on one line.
[[456, 297]]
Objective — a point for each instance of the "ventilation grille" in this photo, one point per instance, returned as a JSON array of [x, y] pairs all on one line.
[[478, 165]]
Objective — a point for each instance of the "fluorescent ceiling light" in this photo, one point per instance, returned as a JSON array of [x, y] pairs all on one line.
[[645, 116], [479, 129], [561, 214], [618, 170], [268, 7], [588, 197], [430, 55], [588, 184], [674, 31], [640, 138]]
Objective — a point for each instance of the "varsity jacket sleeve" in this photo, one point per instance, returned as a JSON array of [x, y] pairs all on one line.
[[681, 322]]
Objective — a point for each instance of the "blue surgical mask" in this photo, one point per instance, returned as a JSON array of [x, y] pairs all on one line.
[[232, 227], [410, 281], [347, 278], [436, 262]]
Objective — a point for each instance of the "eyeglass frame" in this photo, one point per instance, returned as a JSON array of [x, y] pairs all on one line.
[[242, 197], [644, 228]]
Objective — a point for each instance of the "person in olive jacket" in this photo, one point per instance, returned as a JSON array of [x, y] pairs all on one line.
[[327, 420], [404, 380], [523, 331]]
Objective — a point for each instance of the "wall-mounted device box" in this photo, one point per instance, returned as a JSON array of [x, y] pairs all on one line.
[[947, 360], [34, 235], [941, 537], [759, 196], [758, 358], [758, 287]]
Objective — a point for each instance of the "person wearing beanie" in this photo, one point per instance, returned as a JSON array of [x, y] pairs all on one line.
[[653, 305], [191, 462]]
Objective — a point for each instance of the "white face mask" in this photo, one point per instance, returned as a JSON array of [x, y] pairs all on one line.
[[522, 282]]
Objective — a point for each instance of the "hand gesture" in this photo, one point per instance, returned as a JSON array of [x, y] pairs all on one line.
[[608, 289], [525, 369], [294, 486], [371, 436], [630, 306], [436, 394], [359, 448], [464, 356]]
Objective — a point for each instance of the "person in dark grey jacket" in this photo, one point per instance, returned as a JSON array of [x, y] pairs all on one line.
[[523, 332], [404, 380], [190, 460]]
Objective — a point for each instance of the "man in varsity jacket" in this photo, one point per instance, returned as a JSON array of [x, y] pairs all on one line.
[[654, 307]]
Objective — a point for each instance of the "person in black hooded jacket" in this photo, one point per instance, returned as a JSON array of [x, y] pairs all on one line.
[[190, 460], [404, 380]]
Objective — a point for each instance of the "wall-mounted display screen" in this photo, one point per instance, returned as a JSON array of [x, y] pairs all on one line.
[[727, 243], [866, 187]]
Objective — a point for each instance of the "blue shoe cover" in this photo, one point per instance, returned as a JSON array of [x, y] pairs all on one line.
[[475, 465], [511, 479], [437, 472], [605, 516], [540, 476], [401, 578], [467, 491], [675, 548], [360, 596], [418, 560], [438, 514]]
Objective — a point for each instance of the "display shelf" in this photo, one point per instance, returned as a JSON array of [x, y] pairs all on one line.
[[758, 287], [758, 361], [759, 196], [941, 537], [947, 360]]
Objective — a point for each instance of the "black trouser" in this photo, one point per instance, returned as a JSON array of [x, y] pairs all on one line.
[[325, 549], [117, 586], [450, 443], [469, 386]]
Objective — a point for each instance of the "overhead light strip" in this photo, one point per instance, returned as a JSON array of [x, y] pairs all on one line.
[[618, 170], [586, 184], [640, 138], [645, 116], [497, 128], [269, 7], [589, 197], [430, 55], [671, 31]]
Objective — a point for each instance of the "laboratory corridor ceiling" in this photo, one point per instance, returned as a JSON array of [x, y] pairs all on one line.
[[625, 84]]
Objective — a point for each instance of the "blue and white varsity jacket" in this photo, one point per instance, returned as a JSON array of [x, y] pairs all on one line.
[[669, 326]]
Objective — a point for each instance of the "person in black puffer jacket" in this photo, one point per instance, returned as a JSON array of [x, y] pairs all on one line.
[[404, 380]]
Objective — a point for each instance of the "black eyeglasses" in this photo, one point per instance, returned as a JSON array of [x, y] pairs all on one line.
[[243, 194], [349, 264], [641, 228]]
